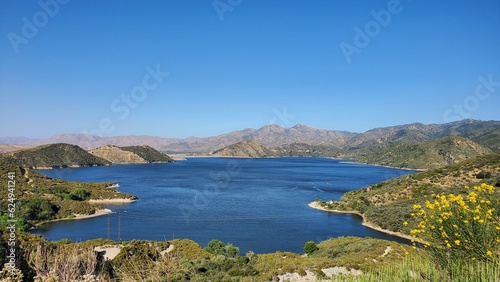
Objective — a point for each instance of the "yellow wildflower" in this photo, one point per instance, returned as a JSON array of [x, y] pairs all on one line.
[[489, 213], [472, 197], [429, 205]]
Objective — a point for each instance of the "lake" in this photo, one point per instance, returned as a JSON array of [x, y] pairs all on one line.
[[256, 204]]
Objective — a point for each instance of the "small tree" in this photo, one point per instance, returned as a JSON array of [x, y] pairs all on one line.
[[310, 247], [215, 247], [231, 251], [80, 194]]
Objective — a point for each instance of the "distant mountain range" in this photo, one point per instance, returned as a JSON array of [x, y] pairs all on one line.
[[301, 138], [269, 136], [17, 140]]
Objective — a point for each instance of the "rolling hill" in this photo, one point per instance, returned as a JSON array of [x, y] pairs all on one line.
[[429, 154], [245, 149], [41, 198], [54, 155], [116, 155], [130, 155], [388, 204], [149, 154]]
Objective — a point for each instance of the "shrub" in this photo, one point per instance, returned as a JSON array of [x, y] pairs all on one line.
[[461, 228], [64, 241], [483, 175], [80, 195], [215, 247], [310, 247], [231, 251], [38, 209]]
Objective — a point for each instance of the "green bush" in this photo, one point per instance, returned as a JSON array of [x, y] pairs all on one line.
[[310, 247], [64, 241], [38, 209], [80, 194], [231, 251], [215, 247]]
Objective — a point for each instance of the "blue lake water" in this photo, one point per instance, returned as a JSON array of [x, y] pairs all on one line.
[[256, 204]]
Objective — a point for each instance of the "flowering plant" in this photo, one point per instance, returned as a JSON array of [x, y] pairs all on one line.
[[464, 227]]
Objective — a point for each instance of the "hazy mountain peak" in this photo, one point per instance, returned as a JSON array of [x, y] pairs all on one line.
[[271, 126], [299, 126], [274, 135]]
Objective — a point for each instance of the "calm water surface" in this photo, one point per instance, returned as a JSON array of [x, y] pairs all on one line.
[[256, 204]]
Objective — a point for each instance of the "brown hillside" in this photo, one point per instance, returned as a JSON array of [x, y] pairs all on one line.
[[116, 155], [245, 149]]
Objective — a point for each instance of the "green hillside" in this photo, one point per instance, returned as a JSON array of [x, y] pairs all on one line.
[[185, 260], [40, 198], [388, 204], [151, 155], [54, 155], [489, 139], [424, 155]]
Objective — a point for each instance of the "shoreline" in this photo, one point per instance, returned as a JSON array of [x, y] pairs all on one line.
[[66, 166], [112, 201], [315, 205], [388, 166], [97, 213], [343, 160]]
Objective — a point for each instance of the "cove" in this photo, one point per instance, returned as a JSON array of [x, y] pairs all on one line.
[[256, 204]]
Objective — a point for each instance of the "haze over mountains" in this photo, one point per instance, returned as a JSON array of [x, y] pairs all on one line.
[[339, 143]]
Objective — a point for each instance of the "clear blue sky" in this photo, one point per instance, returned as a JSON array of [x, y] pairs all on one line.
[[244, 64]]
